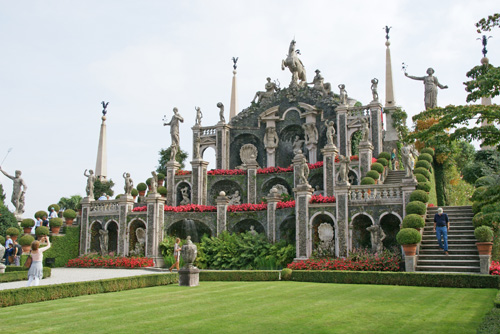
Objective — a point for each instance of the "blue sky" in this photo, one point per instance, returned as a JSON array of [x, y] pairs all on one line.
[[60, 59]]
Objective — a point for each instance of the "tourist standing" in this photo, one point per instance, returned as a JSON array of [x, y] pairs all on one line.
[[52, 214], [393, 159], [35, 273], [7, 243], [37, 224], [18, 250], [441, 227], [177, 254], [45, 221]]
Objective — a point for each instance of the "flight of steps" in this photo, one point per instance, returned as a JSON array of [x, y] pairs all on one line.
[[394, 176], [464, 257]]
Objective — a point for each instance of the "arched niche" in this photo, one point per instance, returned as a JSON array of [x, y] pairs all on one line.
[[316, 221], [390, 224], [246, 225], [95, 244], [189, 227], [132, 235], [179, 189], [361, 238], [243, 139], [228, 186], [316, 181], [269, 184], [353, 178], [354, 141], [286, 230], [284, 154], [112, 228]]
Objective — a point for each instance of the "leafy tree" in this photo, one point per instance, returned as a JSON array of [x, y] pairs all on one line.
[[70, 203], [180, 157], [488, 23], [103, 188], [485, 162], [2, 195], [7, 219]]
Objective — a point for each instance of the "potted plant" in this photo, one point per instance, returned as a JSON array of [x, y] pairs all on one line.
[[134, 193], [40, 214], [13, 232], [25, 242], [69, 216], [484, 236], [27, 224], [161, 179], [55, 225], [141, 187], [162, 191], [41, 231], [409, 238], [414, 221], [148, 183]]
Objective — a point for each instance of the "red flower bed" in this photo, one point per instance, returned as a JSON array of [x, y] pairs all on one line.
[[285, 205], [270, 170], [110, 262], [352, 157], [378, 263], [227, 172], [191, 208], [247, 207], [374, 160], [495, 268], [430, 205], [322, 199], [318, 164], [140, 209], [183, 172]]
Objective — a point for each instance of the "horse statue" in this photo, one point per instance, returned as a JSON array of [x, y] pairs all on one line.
[[295, 65]]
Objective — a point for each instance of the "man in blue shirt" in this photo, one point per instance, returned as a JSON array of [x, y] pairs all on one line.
[[441, 227]]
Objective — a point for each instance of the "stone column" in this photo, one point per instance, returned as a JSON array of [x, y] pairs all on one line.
[[172, 167], [329, 154], [126, 204], [252, 183], [391, 136], [222, 145], [303, 230], [297, 163], [410, 263], [341, 194], [84, 225], [342, 137], [155, 223], [484, 262], [199, 182], [272, 202], [376, 127], [409, 186], [222, 204], [365, 157]]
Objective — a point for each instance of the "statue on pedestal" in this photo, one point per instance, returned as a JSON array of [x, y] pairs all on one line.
[[295, 66], [270, 87], [174, 132], [431, 84], [318, 84], [221, 112], [311, 133], [90, 183], [374, 89], [199, 115], [129, 184], [297, 145], [406, 155], [344, 169], [377, 236], [154, 183], [185, 196], [343, 95], [103, 241], [303, 172], [365, 131], [330, 133], [18, 190], [271, 138]]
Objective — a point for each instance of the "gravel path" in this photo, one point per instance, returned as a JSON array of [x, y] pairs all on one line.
[[68, 275]]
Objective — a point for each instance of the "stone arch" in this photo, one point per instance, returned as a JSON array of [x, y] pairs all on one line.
[[360, 236], [178, 192], [246, 224], [317, 219], [284, 154], [286, 230], [267, 186], [192, 227], [354, 140], [131, 234], [95, 244], [390, 223], [113, 232], [316, 180], [353, 177], [228, 186], [291, 114], [239, 141], [210, 157]]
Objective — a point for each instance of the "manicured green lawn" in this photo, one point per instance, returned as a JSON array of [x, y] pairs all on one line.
[[258, 307]]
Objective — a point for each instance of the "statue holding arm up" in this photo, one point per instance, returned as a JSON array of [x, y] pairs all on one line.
[[17, 198], [431, 84]]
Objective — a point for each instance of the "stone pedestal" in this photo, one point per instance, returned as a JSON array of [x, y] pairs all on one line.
[[272, 202], [329, 154], [222, 146], [271, 157], [297, 165], [84, 225], [303, 230], [341, 194], [222, 204], [391, 137], [172, 167], [155, 228], [252, 183], [365, 157], [376, 127], [2, 268], [342, 135], [410, 263], [484, 262], [199, 182], [126, 204], [409, 185], [189, 276]]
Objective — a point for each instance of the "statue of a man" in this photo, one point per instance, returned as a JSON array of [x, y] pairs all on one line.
[[90, 183], [271, 138], [330, 133], [154, 183], [129, 184], [406, 155], [344, 168], [221, 112], [374, 89], [303, 172], [377, 236], [103, 241], [297, 145], [343, 95], [319, 84], [174, 133], [365, 131], [431, 84], [270, 87], [199, 115], [311, 133], [17, 192]]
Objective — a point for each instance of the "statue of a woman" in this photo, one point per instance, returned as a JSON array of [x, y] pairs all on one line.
[[431, 84]]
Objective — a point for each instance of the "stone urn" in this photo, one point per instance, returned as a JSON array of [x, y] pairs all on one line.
[[189, 275]]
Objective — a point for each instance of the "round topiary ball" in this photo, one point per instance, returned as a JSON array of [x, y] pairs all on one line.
[[421, 178], [149, 180], [416, 207], [42, 230], [286, 274], [428, 150], [28, 222], [40, 214], [384, 162], [134, 192], [385, 155], [55, 206], [484, 181], [69, 214], [476, 207], [142, 186], [367, 181], [479, 194], [12, 231], [373, 174], [378, 167], [423, 164], [162, 190], [2, 240], [419, 195], [424, 171], [56, 222], [408, 236], [161, 176], [425, 157], [424, 186], [413, 221], [483, 234], [26, 240]]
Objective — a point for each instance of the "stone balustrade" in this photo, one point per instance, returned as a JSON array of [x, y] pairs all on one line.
[[208, 131], [357, 112], [372, 193], [104, 206]]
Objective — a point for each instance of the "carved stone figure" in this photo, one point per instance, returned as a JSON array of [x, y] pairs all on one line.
[[297, 145], [248, 155], [343, 95], [188, 253], [271, 88], [431, 84], [18, 188], [103, 241], [129, 184], [154, 183], [377, 236], [90, 183], [318, 84], [174, 132], [374, 89], [330, 133], [344, 169], [234, 199], [365, 131], [280, 189], [199, 115], [295, 66], [2, 253], [185, 196], [221, 112], [140, 234], [406, 155], [303, 171], [311, 133], [326, 246], [271, 138], [252, 230], [197, 144]]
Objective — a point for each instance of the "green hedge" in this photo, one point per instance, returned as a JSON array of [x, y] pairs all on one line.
[[423, 164], [425, 172], [398, 278], [426, 157], [421, 178], [424, 186], [20, 275], [427, 150], [51, 292], [416, 207], [64, 247], [419, 195], [240, 275]]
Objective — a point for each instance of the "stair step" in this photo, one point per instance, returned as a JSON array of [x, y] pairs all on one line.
[[456, 243], [440, 252], [448, 269], [448, 263], [441, 256]]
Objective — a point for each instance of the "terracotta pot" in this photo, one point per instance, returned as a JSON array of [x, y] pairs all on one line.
[[160, 182], [27, 230], [484, 248], [149, 188], [69, 221], [26, 248], [410, 250], [142, 193], [55, 230]]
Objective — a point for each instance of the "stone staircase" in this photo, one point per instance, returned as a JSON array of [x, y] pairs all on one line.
[[464, 257], [394, 176]]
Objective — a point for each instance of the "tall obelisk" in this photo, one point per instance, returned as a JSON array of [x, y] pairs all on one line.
[[101, 166], [233, 107], [391, 135]]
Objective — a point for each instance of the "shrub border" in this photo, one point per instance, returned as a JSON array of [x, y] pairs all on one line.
[[240, 275], [20, 275]]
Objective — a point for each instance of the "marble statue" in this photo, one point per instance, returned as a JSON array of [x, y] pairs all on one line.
[[103, 241], [295, 66], [270, 87], [330, 133], [129, 184], [199, 115], [311, 133], [280, 189], [185, 196], [174, 132], [377, 236], [235, 199], [303, 171], [252, 230], [326, 245], [90, 183], [140, 234], [297, 145], [365, 131], [431, 85], [318, 84], [221, 112], [154, 183], [2, 253], [406, 155], [18, 189], [196, 149], [343, 95], [248, 155], [344, 169], [271, 139], [374, 89]]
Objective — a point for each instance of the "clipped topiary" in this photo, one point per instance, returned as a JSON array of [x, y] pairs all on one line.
[[149, 180], [484, 181], [55, 206], [162, 190], [416, 207], [423, 164], [134, 192], [478, 194], [286, 274], [408, 236], [490, 208], [421, 178], [419, 195], [161, 176], [373, 174], [142, 186], [12, 231], [385, 155], [40, 214], [69, 214], [425, 157], [428, 150], [2, 241], [424, 171], [56, 222], [424, 186], [28, 222], [26, 240], [486, 219], [367, 181], [413, 221], [476, 207], [42, 230], [477, 220], [483, 234], [378, 167], [384, 162]]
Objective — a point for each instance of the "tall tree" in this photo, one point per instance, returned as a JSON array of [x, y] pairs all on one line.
[[180, 157], [103, 188], [2, 195], [70, 203]]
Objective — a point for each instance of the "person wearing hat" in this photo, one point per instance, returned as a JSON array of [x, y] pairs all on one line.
[[52, 214], [441, 227]]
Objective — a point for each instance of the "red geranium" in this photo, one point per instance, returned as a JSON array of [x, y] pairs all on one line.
[[227, 172], [87, 261], [322, 199]]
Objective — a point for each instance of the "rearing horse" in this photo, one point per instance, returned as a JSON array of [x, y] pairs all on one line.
[[295, 66]]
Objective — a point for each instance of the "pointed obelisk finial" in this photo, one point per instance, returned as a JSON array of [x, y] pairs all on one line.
[[101, 166], [233, 107], [389, 88]]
